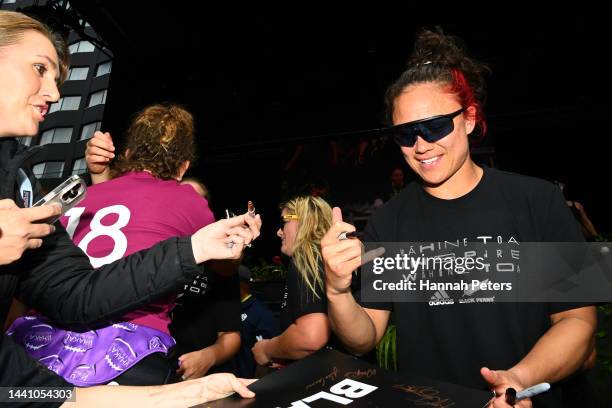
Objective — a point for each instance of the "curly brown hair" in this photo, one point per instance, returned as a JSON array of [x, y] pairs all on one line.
[[160, 139]]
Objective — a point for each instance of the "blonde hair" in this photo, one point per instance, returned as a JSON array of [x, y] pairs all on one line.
[[314, 220], [160, 139], [14, 25]]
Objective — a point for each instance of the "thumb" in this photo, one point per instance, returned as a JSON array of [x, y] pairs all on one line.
[[336, 215], [239, 385], [489, 376]]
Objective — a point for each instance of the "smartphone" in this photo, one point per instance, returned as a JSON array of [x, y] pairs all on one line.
[[66, 195]]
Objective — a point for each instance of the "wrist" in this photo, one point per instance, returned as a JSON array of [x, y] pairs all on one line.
[[208, 355], [199, 254], [268, 348], [336, 295], [522, 376]]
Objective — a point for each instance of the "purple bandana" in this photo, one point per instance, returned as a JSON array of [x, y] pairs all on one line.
[[88, 358]]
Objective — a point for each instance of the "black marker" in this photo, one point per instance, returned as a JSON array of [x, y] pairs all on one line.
[[512, 397]]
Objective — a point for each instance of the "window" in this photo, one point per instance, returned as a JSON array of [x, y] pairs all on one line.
[[26, 141], [104, 68], [78, 73], [66, 103], [79, 166], [9, 2], [57, 135], [81, 46], [89, 129], [97, 98], [52, 169]]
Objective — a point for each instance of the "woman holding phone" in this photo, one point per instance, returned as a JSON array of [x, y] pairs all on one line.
[[55, 277]]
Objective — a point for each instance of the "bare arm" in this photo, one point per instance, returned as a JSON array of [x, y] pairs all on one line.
[[586, 222], [98, 154], [184, 394], [197, 363], [358, 328], [308, 334], [226, 346], [564, 349]]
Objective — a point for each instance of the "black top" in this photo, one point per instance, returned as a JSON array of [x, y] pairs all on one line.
[[298, 300], [258, 322], [200, 314], [452, 342]]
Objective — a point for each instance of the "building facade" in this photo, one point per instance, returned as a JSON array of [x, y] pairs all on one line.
[[72, 120]]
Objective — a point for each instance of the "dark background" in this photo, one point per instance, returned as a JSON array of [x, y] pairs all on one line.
[[260, 79]]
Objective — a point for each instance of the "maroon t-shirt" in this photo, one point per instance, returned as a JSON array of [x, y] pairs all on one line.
[[134, 212]]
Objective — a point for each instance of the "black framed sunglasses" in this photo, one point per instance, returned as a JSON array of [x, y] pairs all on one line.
[[430, 129]]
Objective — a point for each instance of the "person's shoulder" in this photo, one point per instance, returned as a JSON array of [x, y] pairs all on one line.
[[292, 271], [184, 196], [516, 182]]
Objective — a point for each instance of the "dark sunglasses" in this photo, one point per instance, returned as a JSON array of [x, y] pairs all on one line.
[[430, 129]]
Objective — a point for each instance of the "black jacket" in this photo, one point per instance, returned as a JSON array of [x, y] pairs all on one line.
[[58, 280]]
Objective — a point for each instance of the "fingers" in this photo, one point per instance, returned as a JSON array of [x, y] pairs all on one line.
[[489, 376], [371, 255], [336, 215], [40, 230], [239, 386], [254, 224], [100, 148], [331, 237], [41, 213], [247, 381], [95, 154], [103, 140], [342, 251], [246, 236], [7, 204], [34, 243]]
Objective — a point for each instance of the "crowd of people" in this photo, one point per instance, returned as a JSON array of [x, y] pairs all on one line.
[[139, 285]]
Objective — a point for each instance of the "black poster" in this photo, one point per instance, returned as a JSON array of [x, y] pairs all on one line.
[[330, 379]]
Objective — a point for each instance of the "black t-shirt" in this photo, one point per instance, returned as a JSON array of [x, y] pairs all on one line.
[[257, 322], [452, 342], [298, 299], [211, 304]]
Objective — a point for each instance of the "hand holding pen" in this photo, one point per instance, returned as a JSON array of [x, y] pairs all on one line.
[[512, 396], [213, 241], [342, 254], [250, 213], [505, 383]]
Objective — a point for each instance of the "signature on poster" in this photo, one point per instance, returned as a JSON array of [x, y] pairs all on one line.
[[323, 380], [367, 373], [428, 396]]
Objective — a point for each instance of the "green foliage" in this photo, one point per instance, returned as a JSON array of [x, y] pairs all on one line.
[[386, 350], [267, 271], [604, 340]]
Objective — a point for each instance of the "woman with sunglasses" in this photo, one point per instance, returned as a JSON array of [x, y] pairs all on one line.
[[303, 319], [435, 106], [54, 276]]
